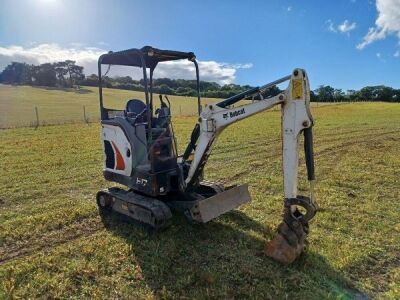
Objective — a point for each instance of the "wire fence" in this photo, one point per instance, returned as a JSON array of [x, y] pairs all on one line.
[[44, 115]]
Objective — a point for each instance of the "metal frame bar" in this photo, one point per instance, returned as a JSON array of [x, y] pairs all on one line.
[[251, 92], [198, 86]]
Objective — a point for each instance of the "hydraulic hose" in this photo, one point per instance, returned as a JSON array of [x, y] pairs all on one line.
[[309, 153]]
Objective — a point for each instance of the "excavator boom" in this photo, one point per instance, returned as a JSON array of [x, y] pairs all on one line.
[[296, 118]]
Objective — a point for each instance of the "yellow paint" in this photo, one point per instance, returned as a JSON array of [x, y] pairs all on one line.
[[297, 89]]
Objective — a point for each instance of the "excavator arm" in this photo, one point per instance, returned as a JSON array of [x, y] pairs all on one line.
[[296, 119]]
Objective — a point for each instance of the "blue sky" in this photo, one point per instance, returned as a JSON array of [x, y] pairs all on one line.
[[347, 44]]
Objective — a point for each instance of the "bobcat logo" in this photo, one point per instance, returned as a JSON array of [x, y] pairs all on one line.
[[225, 116], [237, 113]]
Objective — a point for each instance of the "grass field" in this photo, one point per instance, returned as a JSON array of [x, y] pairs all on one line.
[[53, 243], [60, 106], [57, 106]]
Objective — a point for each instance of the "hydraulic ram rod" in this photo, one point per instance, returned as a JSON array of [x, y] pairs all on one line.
[[251, 92]]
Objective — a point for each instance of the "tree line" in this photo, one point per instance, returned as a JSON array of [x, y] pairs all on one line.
[[369, 93], [69, 74], [179, 87], [59, 74]]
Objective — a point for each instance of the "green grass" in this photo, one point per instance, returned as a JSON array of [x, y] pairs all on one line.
[[57, 106], [54, 244], [60, 106]]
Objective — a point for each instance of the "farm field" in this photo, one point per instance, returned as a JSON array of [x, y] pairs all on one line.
[[57, 106], [54, 244], [60, 106]]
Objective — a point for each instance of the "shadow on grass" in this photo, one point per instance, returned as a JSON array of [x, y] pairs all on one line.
[[61, 89], [376, 268], [224, 259]]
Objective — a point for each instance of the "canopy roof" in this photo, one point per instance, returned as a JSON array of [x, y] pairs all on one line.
[[151, 57]]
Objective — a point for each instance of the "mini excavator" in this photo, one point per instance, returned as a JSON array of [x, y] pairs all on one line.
[[140, 153]]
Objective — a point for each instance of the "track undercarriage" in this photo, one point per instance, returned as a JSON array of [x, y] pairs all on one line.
[[205, 203]]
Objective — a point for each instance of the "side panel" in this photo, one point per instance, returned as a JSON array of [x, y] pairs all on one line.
[[117, 150]]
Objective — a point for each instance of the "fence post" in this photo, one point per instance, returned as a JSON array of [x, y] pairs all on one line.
[[37, 117], [84, 115], [180, 110]]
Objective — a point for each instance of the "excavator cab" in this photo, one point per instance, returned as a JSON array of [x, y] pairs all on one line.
[[139, 142]]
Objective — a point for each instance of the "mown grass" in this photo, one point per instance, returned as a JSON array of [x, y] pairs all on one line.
[[54, 244]]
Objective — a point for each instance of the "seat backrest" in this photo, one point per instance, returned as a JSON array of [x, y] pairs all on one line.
[[135, 106]]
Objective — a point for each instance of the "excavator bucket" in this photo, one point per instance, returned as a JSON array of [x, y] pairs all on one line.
[[212, 207], [288, 244], [291, 240]]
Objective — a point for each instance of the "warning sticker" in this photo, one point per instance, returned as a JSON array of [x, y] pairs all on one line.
[[297, 89]]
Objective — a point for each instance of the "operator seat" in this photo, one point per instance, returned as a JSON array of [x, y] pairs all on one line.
[[135, 110]]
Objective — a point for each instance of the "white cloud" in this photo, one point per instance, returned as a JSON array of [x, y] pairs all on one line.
[[397, 54], [378, 55], [222, 73], [345, 27], [209, 70], [43, 53], [331, 27], [289, 8], [387, 22]]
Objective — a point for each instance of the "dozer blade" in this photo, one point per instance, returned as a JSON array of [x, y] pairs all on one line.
[[210, 208]]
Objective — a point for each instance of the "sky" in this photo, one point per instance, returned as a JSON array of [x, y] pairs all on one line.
[[347, 44]]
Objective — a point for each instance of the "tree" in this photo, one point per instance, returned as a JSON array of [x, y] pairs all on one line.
[[396, 96], [123, 79], [165, 89], [17, 73], [91, 80], [313, 97], [352, 95], [383, 93], [325, 93], [185, 91], [338, 95], [61, 70], [366, 93], [75, 72], [67, 73], [44, 75]]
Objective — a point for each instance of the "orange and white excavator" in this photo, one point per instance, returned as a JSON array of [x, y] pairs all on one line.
[[140, 152]]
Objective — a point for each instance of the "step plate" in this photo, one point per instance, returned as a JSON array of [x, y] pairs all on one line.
[[210, 208]]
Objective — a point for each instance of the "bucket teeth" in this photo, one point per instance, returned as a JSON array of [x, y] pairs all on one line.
[[289, 243]]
